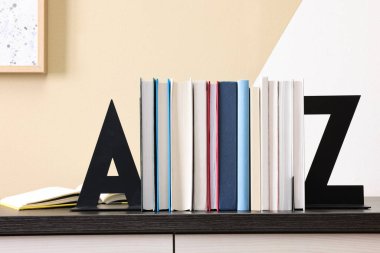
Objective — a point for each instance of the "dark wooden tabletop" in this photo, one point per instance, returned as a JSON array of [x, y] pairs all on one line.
[[62, 221]]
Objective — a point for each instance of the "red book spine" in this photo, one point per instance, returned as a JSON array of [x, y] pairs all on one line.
[[208, 145], [217, 146]]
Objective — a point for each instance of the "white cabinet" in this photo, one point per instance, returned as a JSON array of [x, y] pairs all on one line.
[[207, 243], [265, 243], [87, 244]]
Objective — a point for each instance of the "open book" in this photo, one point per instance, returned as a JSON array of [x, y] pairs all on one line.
[[51, 197]]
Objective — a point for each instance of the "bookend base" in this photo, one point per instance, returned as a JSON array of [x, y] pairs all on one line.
[[108, 208], [337, 206]]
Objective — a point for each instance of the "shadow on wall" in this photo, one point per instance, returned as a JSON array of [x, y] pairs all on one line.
[[57, 36]]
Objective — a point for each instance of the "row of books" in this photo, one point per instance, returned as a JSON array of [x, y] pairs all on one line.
[[221, 146], [282, 146]]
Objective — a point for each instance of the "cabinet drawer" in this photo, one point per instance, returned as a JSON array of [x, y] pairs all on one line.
[[295, 243], [87, 243]]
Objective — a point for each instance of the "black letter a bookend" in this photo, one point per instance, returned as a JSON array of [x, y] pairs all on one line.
[[111, 144]]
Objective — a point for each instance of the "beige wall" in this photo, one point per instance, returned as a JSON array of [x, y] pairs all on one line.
[[98, 50]]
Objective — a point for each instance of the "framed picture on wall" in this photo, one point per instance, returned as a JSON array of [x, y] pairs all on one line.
[[22, 36]]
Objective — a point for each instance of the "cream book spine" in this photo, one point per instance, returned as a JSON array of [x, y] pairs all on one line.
[[200, 145], [182, 145], [255, 149], [273, 145], [298, 145], [264, 143], [285, 145]]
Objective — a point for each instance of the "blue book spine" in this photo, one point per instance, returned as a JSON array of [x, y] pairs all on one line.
[[227, 146], [157, 207], [169, 148], [243, 146]]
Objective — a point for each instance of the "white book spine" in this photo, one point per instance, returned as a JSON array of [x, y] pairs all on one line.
[[255, 149], [163, 146], [264, 129], [285, 145], [298, 145], [273, 146], [182, 146], [200, 146], [213, 143], [147, 144]]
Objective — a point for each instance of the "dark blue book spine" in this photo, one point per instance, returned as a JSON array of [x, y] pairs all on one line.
[[227, 146]]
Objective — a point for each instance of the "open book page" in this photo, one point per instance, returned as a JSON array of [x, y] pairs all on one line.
[[51, 197], [108, 198], [40, 196], [113, 198]]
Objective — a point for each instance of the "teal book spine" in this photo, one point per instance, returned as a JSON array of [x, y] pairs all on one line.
[[243, 146], [163, 144]]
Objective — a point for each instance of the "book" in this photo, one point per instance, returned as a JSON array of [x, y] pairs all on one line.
[[243, 145], [163, 166], [273, 145], [208, 199], [200, 146], [227, 136], [54, 197], [214, 148], [182, 145], [298, 145], [285, 141], [147, 147], [264, 143], [255, 149]]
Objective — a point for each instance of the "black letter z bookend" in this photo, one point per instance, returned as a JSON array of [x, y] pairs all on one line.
[[111, 144], [318, 193]]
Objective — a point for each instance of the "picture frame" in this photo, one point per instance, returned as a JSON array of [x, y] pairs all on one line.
[[23, 36]]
